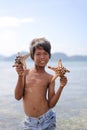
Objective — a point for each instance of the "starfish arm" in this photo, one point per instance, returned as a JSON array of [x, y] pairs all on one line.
[[52, 68], [23, 60], [26, 56], [59, 63]]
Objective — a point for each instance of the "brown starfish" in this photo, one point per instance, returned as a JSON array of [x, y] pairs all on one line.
[[59, 71], [21, 59]]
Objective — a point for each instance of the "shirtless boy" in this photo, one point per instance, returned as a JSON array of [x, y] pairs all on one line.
[[33, 85]]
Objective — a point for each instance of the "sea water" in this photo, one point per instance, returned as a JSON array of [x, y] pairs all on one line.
[[71, 109]]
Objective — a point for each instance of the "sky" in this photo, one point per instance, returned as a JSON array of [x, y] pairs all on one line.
[[62, 22]]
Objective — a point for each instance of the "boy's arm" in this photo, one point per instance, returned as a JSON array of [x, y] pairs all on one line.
[[19, 90], [20, 66], [54, 97]]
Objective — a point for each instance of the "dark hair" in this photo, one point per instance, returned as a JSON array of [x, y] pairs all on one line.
[[40, 43]]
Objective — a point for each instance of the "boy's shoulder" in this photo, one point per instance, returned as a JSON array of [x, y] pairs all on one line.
[[49, 75], [26, 72]]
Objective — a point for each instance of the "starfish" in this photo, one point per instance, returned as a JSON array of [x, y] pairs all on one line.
[[59, 71], [21, 59]]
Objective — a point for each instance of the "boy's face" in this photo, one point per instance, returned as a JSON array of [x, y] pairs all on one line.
[[41, 57]]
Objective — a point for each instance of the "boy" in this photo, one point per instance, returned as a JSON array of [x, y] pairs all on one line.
[[32, 87]]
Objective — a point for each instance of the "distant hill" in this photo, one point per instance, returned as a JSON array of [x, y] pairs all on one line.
[[64, 57], [54, 56]]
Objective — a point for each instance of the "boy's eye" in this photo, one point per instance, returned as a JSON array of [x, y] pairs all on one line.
[[38, 54], [42, 54], [46, 53]]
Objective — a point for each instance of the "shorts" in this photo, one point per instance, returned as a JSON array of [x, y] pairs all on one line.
[[46, 121]]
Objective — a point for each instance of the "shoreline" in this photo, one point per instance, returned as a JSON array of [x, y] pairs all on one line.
[[14, 121]]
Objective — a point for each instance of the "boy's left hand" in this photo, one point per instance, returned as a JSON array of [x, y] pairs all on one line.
[[63, 81]]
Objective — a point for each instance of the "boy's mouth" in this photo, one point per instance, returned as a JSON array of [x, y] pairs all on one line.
[[42, 61]]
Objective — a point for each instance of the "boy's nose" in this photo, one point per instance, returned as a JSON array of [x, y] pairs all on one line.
[[42, 56]]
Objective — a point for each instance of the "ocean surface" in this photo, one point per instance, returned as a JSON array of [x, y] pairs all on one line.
[[71, 109]]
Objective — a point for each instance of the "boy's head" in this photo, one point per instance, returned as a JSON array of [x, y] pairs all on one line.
[[40, 43]]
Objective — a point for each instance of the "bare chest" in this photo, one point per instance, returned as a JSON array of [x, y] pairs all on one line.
[[36, 83], [36, 79]]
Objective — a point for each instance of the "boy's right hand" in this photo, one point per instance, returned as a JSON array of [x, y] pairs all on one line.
[[19, 66], [19, 69]]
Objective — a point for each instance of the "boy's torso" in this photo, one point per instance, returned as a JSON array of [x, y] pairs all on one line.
[[35, 102]]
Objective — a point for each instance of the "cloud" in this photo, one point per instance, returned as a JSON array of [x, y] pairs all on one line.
[[11, 43], [7, 40], [13, 21], [9, 37]]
